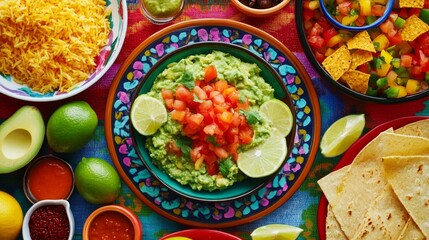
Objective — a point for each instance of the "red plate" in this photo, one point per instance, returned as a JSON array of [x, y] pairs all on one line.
[[202, 234], [351, 154]]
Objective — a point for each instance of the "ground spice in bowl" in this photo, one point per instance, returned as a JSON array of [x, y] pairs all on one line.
[[49, 222]]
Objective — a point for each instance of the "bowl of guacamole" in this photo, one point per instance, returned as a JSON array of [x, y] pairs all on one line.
[[192, 74]]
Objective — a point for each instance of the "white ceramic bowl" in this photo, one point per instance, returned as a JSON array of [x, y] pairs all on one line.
[[65, 203], [118, 22]]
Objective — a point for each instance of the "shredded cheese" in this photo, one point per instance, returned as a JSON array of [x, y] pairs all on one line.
[[51, 45]]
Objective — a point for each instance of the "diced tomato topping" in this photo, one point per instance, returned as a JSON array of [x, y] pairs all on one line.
[[316, 30], [210, 73], [406, 60], [316, 41], [308, 14], [378, 10], [414, 11], [388, 28], [344, 7], [167, 94], [210, 116], [328, 34]]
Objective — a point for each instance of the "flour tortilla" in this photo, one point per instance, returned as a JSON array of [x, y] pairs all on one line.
[[411, 231], [409, 178], [333, 228], [365, 181], [385, 219], [329, 185], [419, 128]]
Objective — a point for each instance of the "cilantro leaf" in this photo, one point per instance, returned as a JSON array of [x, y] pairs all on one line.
[[212, 139], [252, 116], [184, 143], [187, 79], [225, 165]]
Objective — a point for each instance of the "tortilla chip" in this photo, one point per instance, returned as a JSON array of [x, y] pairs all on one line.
[[365, 181], [357, 80], [409, 177], [362, 41], [360, 57], [413, 28], [411, 3], [338, 62], [411, 231]]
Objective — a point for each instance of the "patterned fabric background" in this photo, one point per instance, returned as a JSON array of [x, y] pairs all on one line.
[[300, 210]]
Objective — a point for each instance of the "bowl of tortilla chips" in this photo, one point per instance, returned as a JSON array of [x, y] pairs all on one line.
[[384, 195], [387, 64]]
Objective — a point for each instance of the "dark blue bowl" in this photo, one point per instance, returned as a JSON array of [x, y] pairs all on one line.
[[331, 19]]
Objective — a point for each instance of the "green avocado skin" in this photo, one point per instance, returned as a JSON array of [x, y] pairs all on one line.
[[162, 8], [21, 138]]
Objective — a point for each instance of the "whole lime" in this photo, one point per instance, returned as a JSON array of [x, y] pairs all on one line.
[[97, 181], [11, 216], [71, 126]]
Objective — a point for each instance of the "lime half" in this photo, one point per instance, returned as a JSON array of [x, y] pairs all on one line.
[[279, 114], [276, 232], [147, 114], [264, 159], [342, 134]]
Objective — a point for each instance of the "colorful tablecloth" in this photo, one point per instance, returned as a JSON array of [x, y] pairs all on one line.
[[300, 210]]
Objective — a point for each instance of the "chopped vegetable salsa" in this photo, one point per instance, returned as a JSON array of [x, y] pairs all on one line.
[[389, 61]]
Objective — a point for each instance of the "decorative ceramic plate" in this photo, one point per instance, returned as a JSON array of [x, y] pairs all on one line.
[[350, 155], [224, 213], [118, 20]]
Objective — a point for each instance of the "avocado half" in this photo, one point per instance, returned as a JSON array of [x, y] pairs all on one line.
[[21, 137]]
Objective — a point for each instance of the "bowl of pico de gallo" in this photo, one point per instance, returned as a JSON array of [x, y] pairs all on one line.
[[356, 15], [220, 122], [386, 64]]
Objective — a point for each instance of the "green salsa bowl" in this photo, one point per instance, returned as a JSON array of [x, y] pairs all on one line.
[[240, 188]]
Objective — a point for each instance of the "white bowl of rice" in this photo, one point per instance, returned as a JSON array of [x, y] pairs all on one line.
[[54, 49]]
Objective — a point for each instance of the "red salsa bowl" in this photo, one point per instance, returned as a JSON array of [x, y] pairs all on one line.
[[48, 177], [112, 222]]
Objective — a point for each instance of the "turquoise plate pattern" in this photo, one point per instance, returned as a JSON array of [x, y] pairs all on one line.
[[220, 213]]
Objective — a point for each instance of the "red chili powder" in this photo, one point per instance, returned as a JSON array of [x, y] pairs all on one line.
[[50, 178], [49, 223], [111, 225]]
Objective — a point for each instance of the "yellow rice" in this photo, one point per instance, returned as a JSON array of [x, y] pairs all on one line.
[[51, 44]]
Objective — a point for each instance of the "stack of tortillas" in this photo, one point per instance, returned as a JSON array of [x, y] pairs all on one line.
[[384, 192]]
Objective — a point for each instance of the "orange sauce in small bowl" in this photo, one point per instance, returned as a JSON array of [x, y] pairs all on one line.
[[49, 178], [111, 225]]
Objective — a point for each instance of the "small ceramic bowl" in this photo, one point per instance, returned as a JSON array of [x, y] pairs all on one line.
[[160, 15], [258, 12], [381, 19], [123, 222], [48, 177], [49, 209]]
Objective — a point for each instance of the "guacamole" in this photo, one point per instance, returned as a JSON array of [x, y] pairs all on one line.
[[245, 77], [163, 8]]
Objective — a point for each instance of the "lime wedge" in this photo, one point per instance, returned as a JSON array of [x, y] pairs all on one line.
[[276, 232], [342, 134], [279, 114], [147, 114], [264, 159]]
